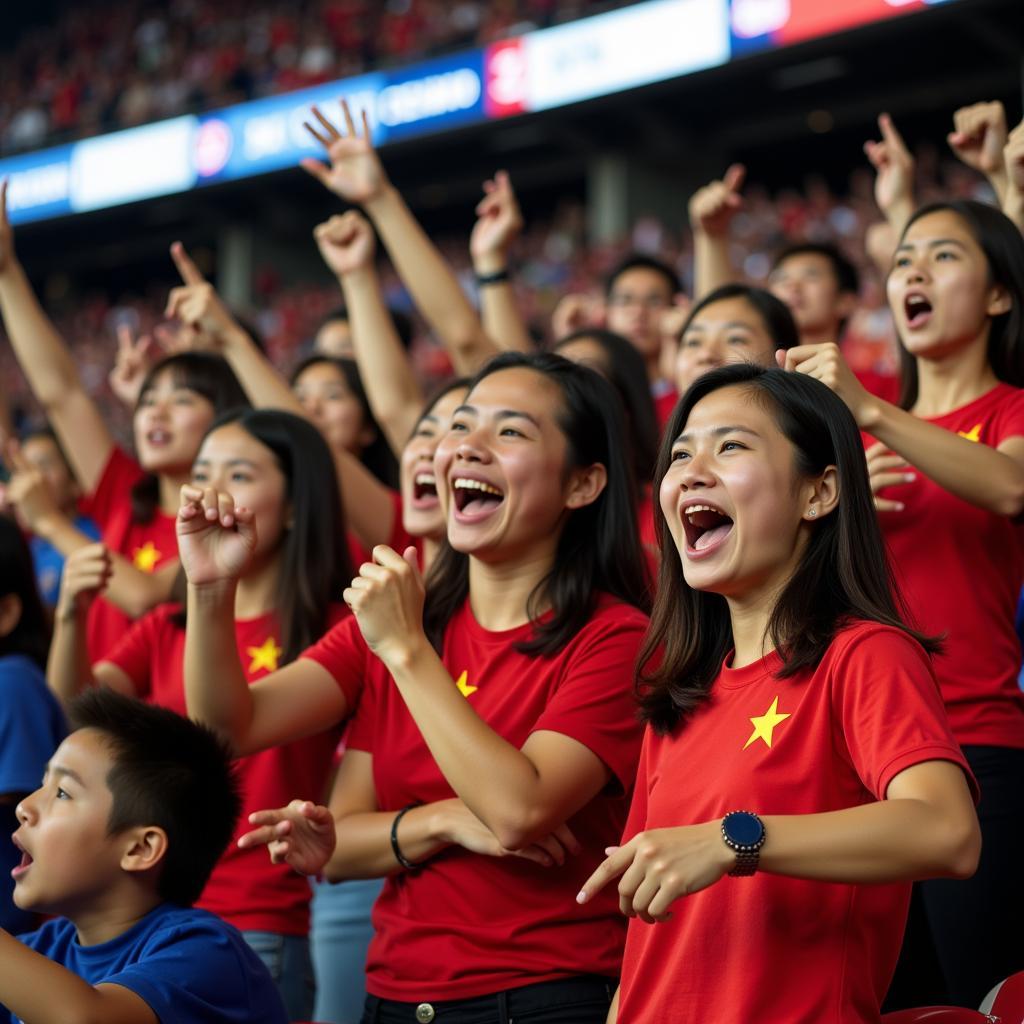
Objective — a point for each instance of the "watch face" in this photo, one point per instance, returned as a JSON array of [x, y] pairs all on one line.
[[743, 828]]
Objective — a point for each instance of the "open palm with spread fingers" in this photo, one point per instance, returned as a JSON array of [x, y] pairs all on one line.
[[215, 539], [355, 172], [301, 835]]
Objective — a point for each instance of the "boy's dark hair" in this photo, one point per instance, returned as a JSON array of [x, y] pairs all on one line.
[[31, 636], [639, 261], [169, 772], [847, 278], [402, 322]]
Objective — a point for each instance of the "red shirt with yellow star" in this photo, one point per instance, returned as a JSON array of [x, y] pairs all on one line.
[[245, 888], [464, 924], [960, 569], [146, 545], [770, 948]]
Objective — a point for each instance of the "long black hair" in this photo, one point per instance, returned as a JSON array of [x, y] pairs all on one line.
[[1003, 245], [844, 574], [773, 311], [31, 634], [204, 373], [315, 563], [377, 456], [598, 549], [627, 373]]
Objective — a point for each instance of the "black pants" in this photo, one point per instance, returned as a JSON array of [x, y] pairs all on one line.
[[964, 937], [582, 1000]]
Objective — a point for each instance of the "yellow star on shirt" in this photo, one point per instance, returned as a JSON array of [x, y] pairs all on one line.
[[464, 688], [974, 434], [265, 656], [146, 557], [764, 725]]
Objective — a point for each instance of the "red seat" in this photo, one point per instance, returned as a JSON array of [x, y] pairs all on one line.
[[936, 1015]]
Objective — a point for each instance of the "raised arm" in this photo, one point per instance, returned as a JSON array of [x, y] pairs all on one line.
[[49, 367], [499, 222], [712, 209], [978, 138], [216, 542], [991, 478], [357, 176], [1013, 158], [346, 244], [894, 179]]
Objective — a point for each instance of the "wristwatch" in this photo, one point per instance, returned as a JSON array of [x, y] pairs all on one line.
[[743, 832]]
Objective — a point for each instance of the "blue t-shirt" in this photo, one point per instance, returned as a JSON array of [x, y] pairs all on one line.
[[31, 727], [49, 562], [188, 965]]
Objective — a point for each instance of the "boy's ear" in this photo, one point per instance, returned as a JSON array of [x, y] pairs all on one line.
[[10, 613], [144, 848]]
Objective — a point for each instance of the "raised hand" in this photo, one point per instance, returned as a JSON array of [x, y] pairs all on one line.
[[576, 311], [499, 222], [86, 574], [301, 835], [387, 601], [660, 866], [29, 493], [1013, 160], [197, 305], [894, 181], [979, 135], [346, 242], [131, 364], [713, 207], [356, 173], [7, 257], [886, 469], [215, 540], [826, 363]]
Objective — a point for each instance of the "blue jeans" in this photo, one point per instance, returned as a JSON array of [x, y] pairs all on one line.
[[287, 959], [340, 934]]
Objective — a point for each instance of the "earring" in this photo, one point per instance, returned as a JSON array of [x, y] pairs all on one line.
[[812, 512]]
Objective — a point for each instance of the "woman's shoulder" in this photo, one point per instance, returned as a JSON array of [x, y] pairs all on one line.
[[864, 640]]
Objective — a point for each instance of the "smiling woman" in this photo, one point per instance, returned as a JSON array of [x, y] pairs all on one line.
[[778, 677]]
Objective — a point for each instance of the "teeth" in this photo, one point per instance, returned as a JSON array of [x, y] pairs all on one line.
[[426, 479], [703, 508], [474, 485]]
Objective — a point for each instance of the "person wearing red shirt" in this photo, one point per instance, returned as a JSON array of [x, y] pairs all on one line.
[[947, 466], [280, 468], [495, 737], [795, 733]]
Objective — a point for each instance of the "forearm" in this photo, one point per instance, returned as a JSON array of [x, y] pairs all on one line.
[[711, 264], [364, 850], [428, 277], [974, 472], [495, 780], [133, 591], [68, 668], [1013, 206], [391, 387], [613, 1010], [899, 213], [265, 387], [502, 319], [216, 691], [38, 991], [886, 841]]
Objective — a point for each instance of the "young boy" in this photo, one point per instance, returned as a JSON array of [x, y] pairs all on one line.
[[135, 807]]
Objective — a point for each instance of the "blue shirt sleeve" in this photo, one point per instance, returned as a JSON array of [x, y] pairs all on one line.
[[31, 724]]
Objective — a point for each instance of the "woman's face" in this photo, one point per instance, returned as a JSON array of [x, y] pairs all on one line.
[[939, 288], [733, 501], [726, 331], [232, 460], [586, 352], [421, 509], [501, 470], [169, 424], [331, 405]]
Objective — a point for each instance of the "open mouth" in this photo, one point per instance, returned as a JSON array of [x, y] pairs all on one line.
[[424, 489], [705, 526], [158, 438], [475, 499], [918, 310], [26, 862]]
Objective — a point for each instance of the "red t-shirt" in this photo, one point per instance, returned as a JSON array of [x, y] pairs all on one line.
[[466, 925], [147, 545], [665, 398], [960, 569], [771, 948], [245, 888], [883, 385]]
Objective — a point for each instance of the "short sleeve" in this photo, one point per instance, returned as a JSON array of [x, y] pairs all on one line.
[[891, 715], [201, 972], [133, 652], [595, 702], [363, 727], [31, 726], [119, 476], [343, 652]]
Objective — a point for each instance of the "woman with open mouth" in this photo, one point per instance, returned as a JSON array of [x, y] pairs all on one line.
[[495, 735], [947, 467], [798, 770]]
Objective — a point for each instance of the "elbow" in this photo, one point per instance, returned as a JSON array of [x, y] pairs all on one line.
[[962, 848], [1012, 503], [518, 830]]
